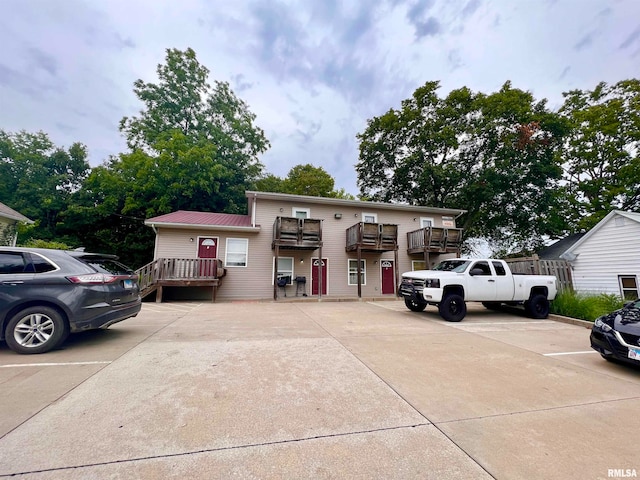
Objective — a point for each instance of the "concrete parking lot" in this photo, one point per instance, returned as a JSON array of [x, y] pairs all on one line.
[[319, 390]]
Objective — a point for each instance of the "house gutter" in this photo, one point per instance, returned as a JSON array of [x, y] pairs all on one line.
[[189, 226]]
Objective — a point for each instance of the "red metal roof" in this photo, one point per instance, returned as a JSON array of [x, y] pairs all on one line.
[[202, 218]]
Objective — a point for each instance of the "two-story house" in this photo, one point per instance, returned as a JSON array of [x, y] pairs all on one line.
[[294, 245]]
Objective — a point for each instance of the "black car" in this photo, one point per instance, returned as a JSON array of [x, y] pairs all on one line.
[[47, 294], [616, 336]]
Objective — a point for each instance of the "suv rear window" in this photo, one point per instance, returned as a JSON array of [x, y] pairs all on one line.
[[40, 265], [11, 263], [107, 265]]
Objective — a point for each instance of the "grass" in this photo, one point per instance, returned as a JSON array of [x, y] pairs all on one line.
[[585, 306]]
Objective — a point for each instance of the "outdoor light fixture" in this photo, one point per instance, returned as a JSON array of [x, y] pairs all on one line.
[[338, 216], [302, 260], [191, 239], [281, 209]]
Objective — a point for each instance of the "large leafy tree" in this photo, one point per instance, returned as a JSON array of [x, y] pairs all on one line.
[[192, 147], [602, 166], [303, 180], [39, 179], [198, 140], [492, 155]]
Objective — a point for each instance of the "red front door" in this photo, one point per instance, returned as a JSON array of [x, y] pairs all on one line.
[[314, 276], [388, 277], [207, 248]]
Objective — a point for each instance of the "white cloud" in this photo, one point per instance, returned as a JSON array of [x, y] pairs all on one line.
[[313, 72]]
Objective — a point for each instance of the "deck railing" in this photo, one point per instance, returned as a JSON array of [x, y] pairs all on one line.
[[179, 269], [297, 232], [435, 239], [372, 236]]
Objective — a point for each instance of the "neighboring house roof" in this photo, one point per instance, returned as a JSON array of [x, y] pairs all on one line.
[[351, 203], [187, 219], [553, 251], [11, 214], [569, 255]]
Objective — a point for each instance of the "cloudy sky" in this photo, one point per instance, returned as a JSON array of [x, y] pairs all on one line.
[[313, 71]]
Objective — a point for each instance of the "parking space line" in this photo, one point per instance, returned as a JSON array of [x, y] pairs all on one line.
[[538, 322], [61, 364], [569, 353]]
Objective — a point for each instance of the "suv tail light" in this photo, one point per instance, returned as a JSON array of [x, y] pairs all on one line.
[[93, 278]]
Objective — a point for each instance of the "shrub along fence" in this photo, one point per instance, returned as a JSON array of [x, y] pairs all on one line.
[[537, 266]]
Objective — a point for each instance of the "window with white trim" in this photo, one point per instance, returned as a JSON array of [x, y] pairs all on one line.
[[369, 217], [298, 212], [418, 265], [353, 271], [426, 222], [237, 252], [285, 268], [629, 287]]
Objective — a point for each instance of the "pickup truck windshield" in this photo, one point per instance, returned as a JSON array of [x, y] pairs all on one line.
[[457, 266]]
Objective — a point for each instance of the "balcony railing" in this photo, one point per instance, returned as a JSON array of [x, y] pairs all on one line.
[[380, 237], [291, 232], [435, 240]]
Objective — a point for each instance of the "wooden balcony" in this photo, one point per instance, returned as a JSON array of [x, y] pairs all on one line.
[[180, 272], [297, 233], [435, 240], [372, 237]]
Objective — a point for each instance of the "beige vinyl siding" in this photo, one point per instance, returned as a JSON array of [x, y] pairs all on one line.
[[255, 281], [334, 242], [611, 251]]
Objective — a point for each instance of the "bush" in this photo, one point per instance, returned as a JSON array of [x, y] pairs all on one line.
[[36, 243], [585, 306]]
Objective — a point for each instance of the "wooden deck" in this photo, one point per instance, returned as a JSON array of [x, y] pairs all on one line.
[[434, 240], [372, 237], [297, 233], [291, 233], [180, 272]]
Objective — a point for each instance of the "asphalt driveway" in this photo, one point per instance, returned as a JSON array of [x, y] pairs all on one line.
[[319, 390]]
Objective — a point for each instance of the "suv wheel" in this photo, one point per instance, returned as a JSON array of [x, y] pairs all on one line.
[[36, 330]]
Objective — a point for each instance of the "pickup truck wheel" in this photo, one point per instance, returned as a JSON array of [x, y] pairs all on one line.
[[537, 306], [415, 305], [452, 308]]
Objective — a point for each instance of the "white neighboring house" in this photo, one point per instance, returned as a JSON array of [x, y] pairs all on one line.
[[9, 220], [607, 258]]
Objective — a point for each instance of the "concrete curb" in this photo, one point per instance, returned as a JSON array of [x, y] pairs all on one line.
[[572, 321]]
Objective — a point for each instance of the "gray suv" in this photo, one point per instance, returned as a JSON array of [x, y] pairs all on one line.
[[47, 294]]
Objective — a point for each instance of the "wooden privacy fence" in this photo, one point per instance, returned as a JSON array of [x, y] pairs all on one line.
[[537, 266]]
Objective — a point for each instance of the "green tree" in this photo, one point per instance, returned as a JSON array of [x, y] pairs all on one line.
[[303, 180], [309, 180], [492, 155], [190, 129], [602, 167], [192, 147], [39, 178]]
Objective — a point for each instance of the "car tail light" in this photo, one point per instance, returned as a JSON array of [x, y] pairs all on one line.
[[93, 278]]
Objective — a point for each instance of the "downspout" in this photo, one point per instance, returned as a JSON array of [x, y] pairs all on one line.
[[155, 246], [253, 210]]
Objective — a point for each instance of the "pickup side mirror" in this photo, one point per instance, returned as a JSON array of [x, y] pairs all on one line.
[[476, 271]]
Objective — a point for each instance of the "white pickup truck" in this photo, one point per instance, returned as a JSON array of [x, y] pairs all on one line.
[[453, 282]]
